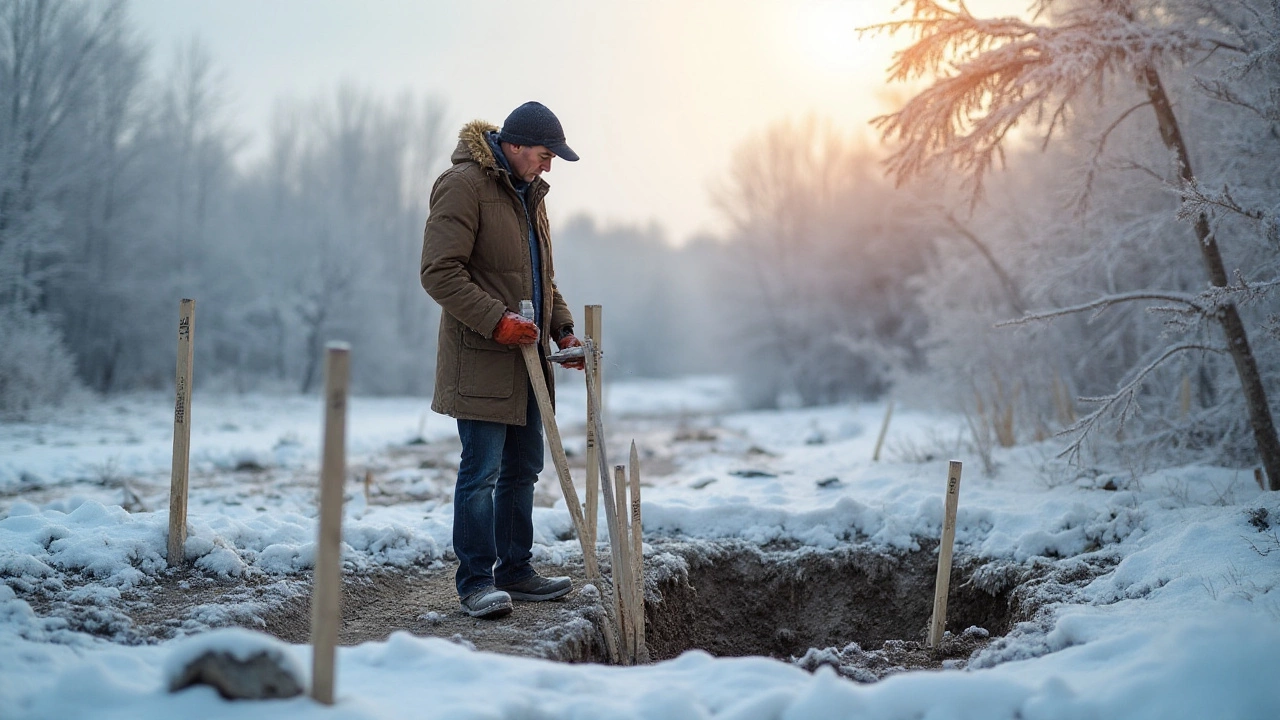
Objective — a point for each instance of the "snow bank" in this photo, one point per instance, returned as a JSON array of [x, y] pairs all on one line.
[[1214, 668]]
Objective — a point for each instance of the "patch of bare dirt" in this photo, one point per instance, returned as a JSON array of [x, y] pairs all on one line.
[[425, 603], [738, 599]]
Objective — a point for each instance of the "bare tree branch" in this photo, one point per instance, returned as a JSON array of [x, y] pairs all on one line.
[[1102, 303], [1095, 159], [1124, 397], [1011, 290]]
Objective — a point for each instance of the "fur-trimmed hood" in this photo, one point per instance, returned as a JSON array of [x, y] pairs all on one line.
[[474, 147]]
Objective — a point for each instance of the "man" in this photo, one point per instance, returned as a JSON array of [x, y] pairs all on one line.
[[486, 247]]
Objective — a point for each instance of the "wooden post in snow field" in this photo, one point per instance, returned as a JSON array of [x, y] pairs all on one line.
[[610, 514], [593, 328], [884, 428], [181, 436], [622, 571], [637, 556], [943, 582], [326, 590], [538, 383]]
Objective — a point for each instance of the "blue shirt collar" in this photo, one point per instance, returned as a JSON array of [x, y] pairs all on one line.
[[496, 146]]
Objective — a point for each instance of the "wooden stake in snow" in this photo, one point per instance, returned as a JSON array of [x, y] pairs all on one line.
[[591, 316], [884, 428], [622, 571], [538, 381], [326, 590], [181, 436], [610, 513], [943, 582], [637, 556]]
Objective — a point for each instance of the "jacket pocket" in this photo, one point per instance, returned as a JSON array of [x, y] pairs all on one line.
[[487, 368]]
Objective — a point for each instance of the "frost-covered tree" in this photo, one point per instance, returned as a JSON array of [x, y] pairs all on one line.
[[329, 226], [996, 80], [69, 76], [820, 248]]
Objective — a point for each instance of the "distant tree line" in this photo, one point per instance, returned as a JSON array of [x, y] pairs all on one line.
[[121, 193]]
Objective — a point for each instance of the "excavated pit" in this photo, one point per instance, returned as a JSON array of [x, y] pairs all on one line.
[[727, 598], [738, 599]]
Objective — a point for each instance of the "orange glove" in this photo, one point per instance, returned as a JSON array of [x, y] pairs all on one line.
[[515, 330], [569, 341]]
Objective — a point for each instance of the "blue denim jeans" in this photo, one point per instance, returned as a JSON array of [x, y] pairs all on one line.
[[493, 500]]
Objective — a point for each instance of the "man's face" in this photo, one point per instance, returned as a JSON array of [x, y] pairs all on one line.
[[529, 161]]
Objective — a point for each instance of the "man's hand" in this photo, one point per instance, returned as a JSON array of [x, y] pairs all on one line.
[[569, 341], [515, 330]]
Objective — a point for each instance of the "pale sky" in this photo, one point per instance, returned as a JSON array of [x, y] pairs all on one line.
[[655, 96]]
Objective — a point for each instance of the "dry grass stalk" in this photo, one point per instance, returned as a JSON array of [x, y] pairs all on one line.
[[1062, 403]]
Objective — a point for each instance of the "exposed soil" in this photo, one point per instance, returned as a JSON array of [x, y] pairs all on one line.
[[860, 610], [425, 603], [747, 601]]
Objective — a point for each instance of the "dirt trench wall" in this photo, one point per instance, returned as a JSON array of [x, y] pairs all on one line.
[[736, 599]]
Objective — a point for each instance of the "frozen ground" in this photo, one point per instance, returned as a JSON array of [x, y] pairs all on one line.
[[1164, 602]]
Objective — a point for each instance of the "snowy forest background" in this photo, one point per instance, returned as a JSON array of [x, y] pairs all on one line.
[[121, 193]]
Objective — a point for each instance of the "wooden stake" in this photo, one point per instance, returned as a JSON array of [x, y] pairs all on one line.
[[552, 431], [637, 556], [181, 436], [622, 572], [326, 590], [884, 428], [591, 317], [943, 582], [538, 382], [610, 514]]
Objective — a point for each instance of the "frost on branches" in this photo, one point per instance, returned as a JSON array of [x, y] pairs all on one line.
[[1163, 100]]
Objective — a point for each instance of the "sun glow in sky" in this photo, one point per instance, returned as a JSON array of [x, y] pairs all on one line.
[[655, 96], [826, 33]]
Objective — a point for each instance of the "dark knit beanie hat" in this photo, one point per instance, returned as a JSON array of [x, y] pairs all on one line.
[[533, 124]]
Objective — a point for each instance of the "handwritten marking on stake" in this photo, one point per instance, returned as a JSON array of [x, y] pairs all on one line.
[[177, 539]]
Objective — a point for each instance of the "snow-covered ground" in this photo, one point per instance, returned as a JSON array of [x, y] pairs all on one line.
[[1182, 622]]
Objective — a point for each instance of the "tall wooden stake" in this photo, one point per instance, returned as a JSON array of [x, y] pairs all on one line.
[[538, 382], [884, 428], [326, 590], [622, 572], [587, 540], [181, 436], [637, 556], [610, 514], [943, 582], [591, 316]]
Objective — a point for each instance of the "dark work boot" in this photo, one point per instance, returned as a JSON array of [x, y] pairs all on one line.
[[487, 603], [536, 588]]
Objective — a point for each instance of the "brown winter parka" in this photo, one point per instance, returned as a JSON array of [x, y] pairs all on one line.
[[476, 265]]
